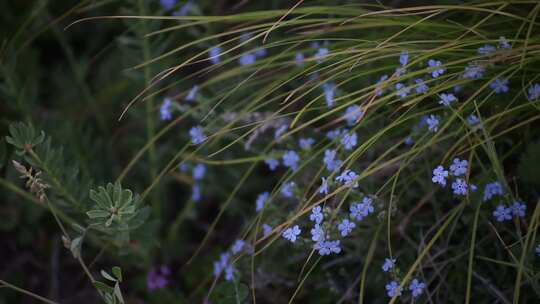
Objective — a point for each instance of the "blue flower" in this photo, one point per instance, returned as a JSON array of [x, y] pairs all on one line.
[[229, 273], [486, 49], [260, 52], [353, 114], [492, 189], [457, 88], [400, 71], [473, 71], [299, 59], [306, 143], [459, 167], [330, 161], [197, 135], [267, 229], [328, 247], [214, 54], [198, 171], [247, 59], [323, 189], [408, 140], [279, 131], [192, 93], [534, 92], [417, 288], [317, 233], [502, 213], [345, 227], [348, 177], [290, 159], [388, 264], [349, 140], [321, 54], [291, 233], [439, 176], [503, 43], [433, 123], [538, 250], [518, 208], [272, 163], [404, 58], [221, 264], [237, 246], [393, 289], [261, 201], [329, 94], [167, 4], [447, 99], [402, 90], [334, 133], [164, 109], [287, 188], [379, 90], [359, 211], [195, 192], [421, 87], [459, 187], [184, 9], [473, 120], [499, 85], [437, 70], [316, 215]]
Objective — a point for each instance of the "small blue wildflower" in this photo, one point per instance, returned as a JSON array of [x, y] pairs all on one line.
[[316, 215], [306, 143], [247, 59], [447, 99], [349, 140], [329, 94], [502, 213], [328, 247], [486, 49], [183, 167], [379, 90], [503, 43], [492, 189], [408, 140], [457, 88], [321, 54], [272, 163], [417, 287], [473, 71], [534, 92], [299, 59], [437, 70], [473, 120], [237, 246], [229, 273], [192, 93], [292, 233], [404, 58], [400, 71], [473, 188], [393, 289], [499, 85], [317, 233], [287, 188], [518, 208], [323, 189], [421, 87], [164, 110], [459, 187], [459, 167], [167, 4], [359, 211], [267, 229], [261, 201], [260, 52], [184, 9], [279, 131], [214, 54], [388, 264], [221, 264], [290, 159], [353, 114], [345, 227], [433, 123], [197, 135], [402, 90], [439, 176], [330, 161], [334, 133], [198, 171], [195, 192], [348, 177]]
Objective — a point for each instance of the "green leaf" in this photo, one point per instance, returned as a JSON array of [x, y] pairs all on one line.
[[103, 287], [3, 153], [118, 292], [76, 245], [117, 272], [98, 214], [107, 276]]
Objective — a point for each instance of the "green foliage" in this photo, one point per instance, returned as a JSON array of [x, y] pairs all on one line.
[[529, 165], [111, 295], [230, 293]]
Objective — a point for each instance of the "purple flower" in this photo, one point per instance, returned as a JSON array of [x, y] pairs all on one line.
[[261, 201], [402, 90], [447, 99], [459, 187], [323, 189], [439, 176], [299, 59], [334, 133], [167, 4], [349, 140], [267, 229], [403, 58], [316, 215], [317, 233], [229, 273], [393, 289], [473, 71], [197, 135], [388, 264], [192, 93], [272, 163], [306, 143], [359, 211], [503, 43], [195, 192], [433, 123], [492, 189], [486, 49], [348, 177], [353, 114], [330, 161], [198, 171], [502, 213], [321, 54], [436, 69], [329, 94], [214, 54], [237, 246], [417, 288], [164, 109], [473, 120], [534, 92], [459, 167], [287, 188], [291, 233], [518, 208], [184, 9], [290, 159], [221, 264], [279, 131], [157, 278], [499, 85], [379, 90], [421, 87], [247, 59], [328, 247], [345, 227]]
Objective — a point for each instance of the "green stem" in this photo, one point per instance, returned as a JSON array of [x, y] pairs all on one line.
[[26, 292]]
